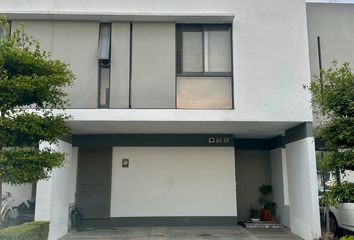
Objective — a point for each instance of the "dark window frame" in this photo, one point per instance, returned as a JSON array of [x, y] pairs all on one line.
[[180, 28], [185, 27]]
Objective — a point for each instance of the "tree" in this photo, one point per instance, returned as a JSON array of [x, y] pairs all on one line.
[[333, 94], [31, 87]]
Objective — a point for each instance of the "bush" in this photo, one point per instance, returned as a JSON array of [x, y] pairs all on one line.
[[27, 231], [347, 238]]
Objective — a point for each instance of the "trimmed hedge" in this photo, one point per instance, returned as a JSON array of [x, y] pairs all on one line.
[[28, 231], [347, 238]]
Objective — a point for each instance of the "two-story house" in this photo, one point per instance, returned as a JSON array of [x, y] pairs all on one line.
[[180, 111]]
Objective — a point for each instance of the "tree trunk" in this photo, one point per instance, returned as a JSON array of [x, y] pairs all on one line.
[[327, 235], [2, 115], [338, 179]]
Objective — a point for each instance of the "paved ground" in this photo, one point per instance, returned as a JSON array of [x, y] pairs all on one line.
[[183, 233]]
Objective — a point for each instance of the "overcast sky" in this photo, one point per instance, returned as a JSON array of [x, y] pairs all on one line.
[[332, 1]]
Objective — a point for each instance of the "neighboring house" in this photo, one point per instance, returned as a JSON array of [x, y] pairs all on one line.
[[331, 33], [180, 111]]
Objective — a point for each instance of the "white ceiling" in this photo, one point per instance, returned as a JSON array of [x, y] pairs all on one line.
[[238, 129]]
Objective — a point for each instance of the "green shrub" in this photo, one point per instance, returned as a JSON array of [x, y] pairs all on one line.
[[347, 238], [27, 231]]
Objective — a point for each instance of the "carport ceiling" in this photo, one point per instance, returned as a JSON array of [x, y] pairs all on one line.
[[238, 129]]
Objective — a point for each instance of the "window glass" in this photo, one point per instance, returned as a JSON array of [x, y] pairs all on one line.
[[104, 87], [192, 51], [204, 92], [104, 48], [219, 51], [105, 41], [204, 69]]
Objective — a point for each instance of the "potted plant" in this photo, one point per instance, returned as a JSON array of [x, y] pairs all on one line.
[[254, 214], [268, 206]]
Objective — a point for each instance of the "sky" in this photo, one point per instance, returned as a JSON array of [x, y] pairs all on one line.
[[332, 1]]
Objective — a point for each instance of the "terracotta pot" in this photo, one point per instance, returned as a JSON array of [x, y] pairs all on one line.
[[266, 214]]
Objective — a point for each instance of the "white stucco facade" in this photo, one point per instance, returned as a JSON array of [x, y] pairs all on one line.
[[270, 65], [303, 191], [262, 33]]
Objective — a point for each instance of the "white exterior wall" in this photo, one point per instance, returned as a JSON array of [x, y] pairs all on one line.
[[75, 43], [153, 77], [303, 192], [120, 62], [270, 52], [54, 195], [280, 184], [173, 181], [20, 193]]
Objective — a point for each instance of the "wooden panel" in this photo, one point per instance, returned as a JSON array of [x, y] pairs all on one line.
[[93, 194]]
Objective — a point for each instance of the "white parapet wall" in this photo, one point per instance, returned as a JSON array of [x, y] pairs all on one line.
[[55, 195], [303, 191]]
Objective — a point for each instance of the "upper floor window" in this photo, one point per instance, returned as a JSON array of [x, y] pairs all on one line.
[[104, 59], [204, 66]]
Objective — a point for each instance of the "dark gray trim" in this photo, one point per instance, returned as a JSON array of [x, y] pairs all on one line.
[[232, 67], [67, 139], [252, 144], [185, 27], [130, 63], [93, 183], [259, 144], [161, 221], [160, 140], [299, 132], [205, 74], [277, 142], [203, 50], [178, 49]]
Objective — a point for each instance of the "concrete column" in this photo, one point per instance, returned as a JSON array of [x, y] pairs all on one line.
[[303, 192], [54, 195]]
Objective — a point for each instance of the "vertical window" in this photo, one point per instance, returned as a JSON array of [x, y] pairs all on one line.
[[204, 66], [104, 54]]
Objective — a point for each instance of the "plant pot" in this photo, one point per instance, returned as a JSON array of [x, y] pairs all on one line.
[[266, 214]]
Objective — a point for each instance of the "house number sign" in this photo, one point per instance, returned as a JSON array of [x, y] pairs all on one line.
[[219, 140]]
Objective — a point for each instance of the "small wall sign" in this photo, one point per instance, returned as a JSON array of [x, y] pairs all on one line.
[[125, 163], [219, 140]]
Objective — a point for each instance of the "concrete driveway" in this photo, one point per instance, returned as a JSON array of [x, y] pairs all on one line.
[[183, 233]]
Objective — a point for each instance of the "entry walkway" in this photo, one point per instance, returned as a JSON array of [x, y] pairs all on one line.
[[183, 233]]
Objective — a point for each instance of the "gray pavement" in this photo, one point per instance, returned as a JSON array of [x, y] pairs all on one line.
[[183, 233]]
